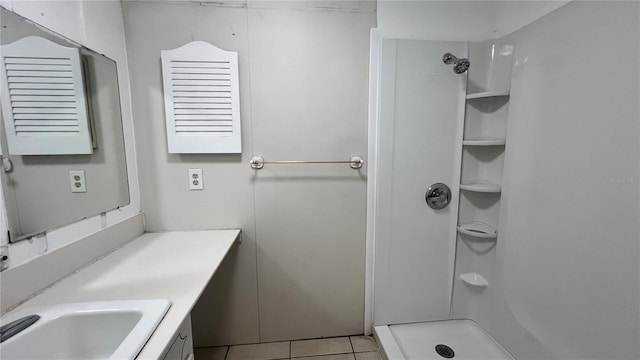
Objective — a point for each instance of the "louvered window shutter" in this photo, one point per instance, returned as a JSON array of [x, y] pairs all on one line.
[[43, 104], [202, 100]]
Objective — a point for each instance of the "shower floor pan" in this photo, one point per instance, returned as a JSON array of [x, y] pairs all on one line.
[[418, 341]]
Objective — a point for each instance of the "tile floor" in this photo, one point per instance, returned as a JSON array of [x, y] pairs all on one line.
[[340, 348]]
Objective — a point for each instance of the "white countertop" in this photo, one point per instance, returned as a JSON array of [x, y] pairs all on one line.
[[172, 265]]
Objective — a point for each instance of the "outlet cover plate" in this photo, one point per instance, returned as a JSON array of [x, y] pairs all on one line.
[[78, 181], [196, 182]]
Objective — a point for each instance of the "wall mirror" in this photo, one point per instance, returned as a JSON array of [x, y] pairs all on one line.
[[63, 150]]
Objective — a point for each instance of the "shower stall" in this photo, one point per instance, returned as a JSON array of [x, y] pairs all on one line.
[[484, 233], [439, 130]]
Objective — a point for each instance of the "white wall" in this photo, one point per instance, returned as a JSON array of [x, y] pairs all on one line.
[[421, 116], [299, 272], [228, 311], [458, 20], [567, 279], [99, 26]]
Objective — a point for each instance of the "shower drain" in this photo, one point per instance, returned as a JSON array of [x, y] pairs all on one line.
[[445, 351]]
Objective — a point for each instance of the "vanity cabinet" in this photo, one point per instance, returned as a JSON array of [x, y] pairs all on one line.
[[182, 346]]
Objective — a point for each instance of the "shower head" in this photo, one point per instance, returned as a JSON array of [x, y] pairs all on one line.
[[460, 66]]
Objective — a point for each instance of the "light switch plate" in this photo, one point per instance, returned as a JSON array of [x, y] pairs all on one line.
[[78, 181], [196, 181]]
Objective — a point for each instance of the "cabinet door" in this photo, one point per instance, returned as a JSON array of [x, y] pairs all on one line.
[[182, 346]]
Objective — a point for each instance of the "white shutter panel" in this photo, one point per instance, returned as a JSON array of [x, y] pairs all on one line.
[[43, 102], [201, 99]]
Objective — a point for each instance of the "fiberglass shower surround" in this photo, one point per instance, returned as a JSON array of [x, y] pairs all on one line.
[[537, 277]]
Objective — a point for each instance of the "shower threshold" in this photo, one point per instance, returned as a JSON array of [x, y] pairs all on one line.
[[462, 339]]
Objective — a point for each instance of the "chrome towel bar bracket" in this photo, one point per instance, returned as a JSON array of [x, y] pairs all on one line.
[[257, 162]]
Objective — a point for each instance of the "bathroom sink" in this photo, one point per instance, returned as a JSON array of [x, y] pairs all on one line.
[[89, 330]]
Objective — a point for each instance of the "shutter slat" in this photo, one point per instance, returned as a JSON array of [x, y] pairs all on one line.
[[197, 82], [52, 92], [205, 94], [209, 71], [46, 116], [218, 122], [203, 112], [36, 86], [202, 117], [40, 67], [44, 79], [184, 63], [36, 110], [197, 87], [36, 60], [47, 129], [192, 100], [206, 66], [42, 98], [203, 129], [41, 104], [221, 77], [202, 105], [46, 122], [46, 74], [225, 123]]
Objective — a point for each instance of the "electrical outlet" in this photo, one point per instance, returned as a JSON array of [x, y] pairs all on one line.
[[196, 181], [4, 257], [77, 181]]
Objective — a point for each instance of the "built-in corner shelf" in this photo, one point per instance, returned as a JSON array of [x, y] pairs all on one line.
[[487, 94], [481, 186], [474, 280], [478, 229], [484, 141]]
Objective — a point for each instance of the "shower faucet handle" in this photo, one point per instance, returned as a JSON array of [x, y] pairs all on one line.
[[438, 196]]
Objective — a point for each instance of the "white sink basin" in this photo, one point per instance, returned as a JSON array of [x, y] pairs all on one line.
[[90, 330]]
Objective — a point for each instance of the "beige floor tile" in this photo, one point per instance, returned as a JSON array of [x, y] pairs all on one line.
[[370, 355], [363, 343], [328, 357], [212, 353], [266, 351], [320, 347]]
